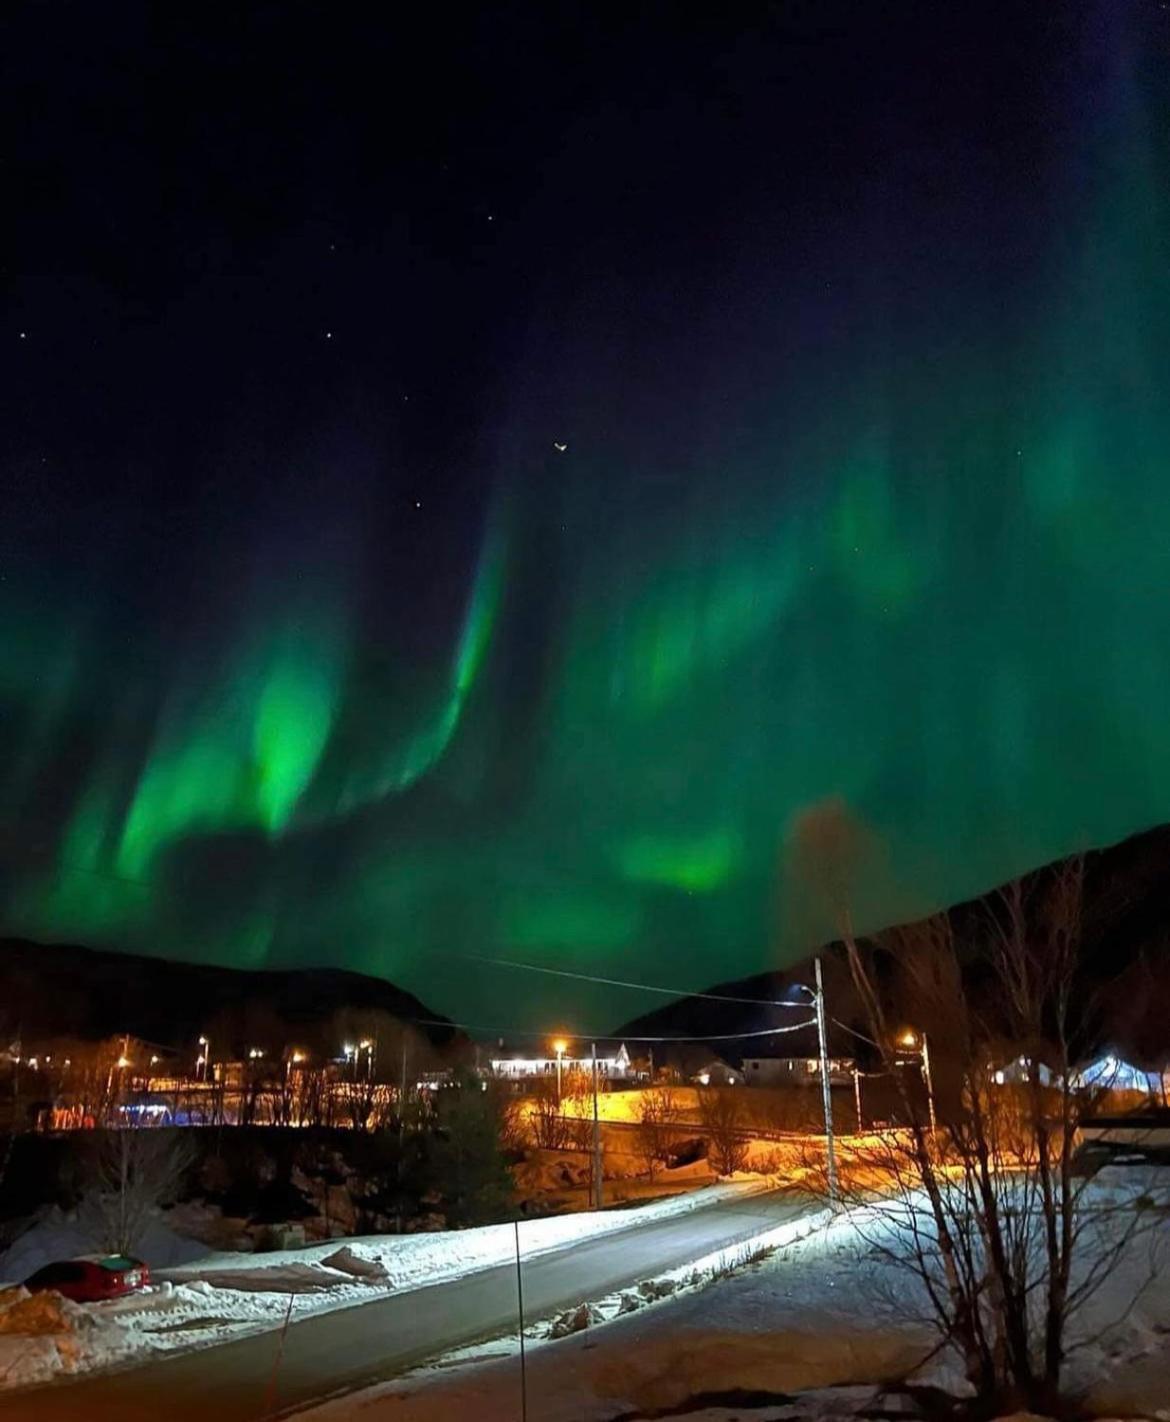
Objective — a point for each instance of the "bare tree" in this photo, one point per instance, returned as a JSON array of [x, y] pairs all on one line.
[[134, 1172], [654, 1132], [722, 1118], [977, 1195], [551, 1130]]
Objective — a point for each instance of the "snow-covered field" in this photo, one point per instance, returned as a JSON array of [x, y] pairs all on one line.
[[200, 1298], [825, 1322], [822, 1327]]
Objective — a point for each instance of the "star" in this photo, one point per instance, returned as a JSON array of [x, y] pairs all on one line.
[[418, 503], [328, 335], [24, 335], [560, 448]]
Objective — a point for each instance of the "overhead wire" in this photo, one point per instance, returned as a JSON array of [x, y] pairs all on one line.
[[623, 983]]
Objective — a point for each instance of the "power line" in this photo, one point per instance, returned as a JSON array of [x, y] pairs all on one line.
[[622, 983], [605, 1037]]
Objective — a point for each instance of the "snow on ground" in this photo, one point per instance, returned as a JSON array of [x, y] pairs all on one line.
[[825, 1321], [198, 1301]]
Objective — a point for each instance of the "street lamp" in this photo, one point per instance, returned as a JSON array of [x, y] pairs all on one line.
[[818, 1001], [204, 1058], [559, 1047], [910, 1041]]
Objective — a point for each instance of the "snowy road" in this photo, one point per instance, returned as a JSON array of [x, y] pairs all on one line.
[[339, 1351]]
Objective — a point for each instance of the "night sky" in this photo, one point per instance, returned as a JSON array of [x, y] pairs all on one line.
[[471, 477]]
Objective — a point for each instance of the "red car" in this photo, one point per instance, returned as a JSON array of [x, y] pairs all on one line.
[[91, 1280]]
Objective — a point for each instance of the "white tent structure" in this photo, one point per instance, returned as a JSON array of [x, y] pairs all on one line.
[[1113, 1073]]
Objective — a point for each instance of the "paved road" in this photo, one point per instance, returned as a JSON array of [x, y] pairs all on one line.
[[353, 1347]]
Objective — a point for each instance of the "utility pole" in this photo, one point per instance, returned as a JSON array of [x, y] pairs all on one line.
[[402, 1136], [597, 1184], [651, 1066], [857, 1097], [826, 1093], [520, 1313]]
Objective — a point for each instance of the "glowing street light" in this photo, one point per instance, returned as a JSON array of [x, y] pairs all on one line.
[[909, 1039], [559, 1047]]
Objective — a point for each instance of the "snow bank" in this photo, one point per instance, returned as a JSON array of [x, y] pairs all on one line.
[[208, 1299], [412, 1260]]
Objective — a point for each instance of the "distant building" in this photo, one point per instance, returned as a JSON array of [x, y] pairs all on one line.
[[1020, 1070], [793, 1058], [1112, 1073], [518, 1066], [715, 1072], [795, 1071]]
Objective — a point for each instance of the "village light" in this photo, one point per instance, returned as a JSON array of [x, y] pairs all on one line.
[[255, 1053], [559, 1047], [911, 1040], [123, 1061]]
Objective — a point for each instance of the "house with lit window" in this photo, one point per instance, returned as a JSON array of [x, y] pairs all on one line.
[[524, 1065], [795, 1071], [794, 1059]]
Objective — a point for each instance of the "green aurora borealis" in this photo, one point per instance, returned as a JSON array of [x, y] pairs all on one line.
[[899, 533]]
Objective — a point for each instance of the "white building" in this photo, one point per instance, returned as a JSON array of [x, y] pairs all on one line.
[[795, 1071], [516, 1066], [1112, 1073]]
